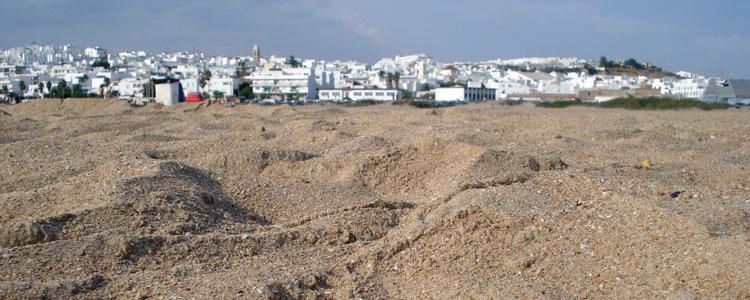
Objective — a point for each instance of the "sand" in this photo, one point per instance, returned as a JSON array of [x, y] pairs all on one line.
[[100, 200]]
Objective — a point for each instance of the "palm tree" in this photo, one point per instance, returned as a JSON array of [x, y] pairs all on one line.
[[206, 77], [22, 87], [293, 62], [390, 80], [107, 83], [41, 89], [396, 78], [49, 87], [83, 79], [61, 86], [241, 69]]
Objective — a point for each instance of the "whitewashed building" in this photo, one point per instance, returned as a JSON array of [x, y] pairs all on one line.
[[690, 88], [63, 70], [224, 85], [132, 87], [190, 85], [450, 94], [285, 83], [95, 51], [339, 95], [168, 93]]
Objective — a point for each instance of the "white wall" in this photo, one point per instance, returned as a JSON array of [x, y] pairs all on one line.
[[190, 85], [224, 85], [168, 93], [130, 86], [359, 94], [449, 94]]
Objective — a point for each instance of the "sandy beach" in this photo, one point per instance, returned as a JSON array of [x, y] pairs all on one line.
[[101, 200]]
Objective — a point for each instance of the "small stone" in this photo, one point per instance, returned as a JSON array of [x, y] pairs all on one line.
[[245, 236], [6, 255], [645, 163], [675, 194]]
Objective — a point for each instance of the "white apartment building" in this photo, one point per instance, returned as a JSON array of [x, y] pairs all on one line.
[[98, 81], [564, 87], [94, 52], [475, 91], [665, 85], [186, 71], [285, 83], [132, 87], [190, 85], [691, 88], [62, 71], [339, 95], [224, 85], [12, 85]]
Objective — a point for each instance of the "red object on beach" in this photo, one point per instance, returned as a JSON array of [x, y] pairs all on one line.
[[194, 97]]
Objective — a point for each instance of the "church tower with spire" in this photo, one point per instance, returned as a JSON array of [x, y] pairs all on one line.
[[256, 53]]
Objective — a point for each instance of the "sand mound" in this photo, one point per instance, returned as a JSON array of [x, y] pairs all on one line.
[[72, 106], [254, 161], [102, 200], [177, 199]]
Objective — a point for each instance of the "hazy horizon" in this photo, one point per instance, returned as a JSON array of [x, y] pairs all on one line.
[[693, 36]]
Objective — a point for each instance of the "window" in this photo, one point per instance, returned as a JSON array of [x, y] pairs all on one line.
[[357, 93], [391, 94], [368, 93], [379, 94], [324, 94], [336, 94]]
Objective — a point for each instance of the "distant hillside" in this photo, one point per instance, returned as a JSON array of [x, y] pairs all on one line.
[[634, 68], [604, 67]]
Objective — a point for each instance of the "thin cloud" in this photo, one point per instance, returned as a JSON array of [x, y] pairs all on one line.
[[733, 41], [371, 32]]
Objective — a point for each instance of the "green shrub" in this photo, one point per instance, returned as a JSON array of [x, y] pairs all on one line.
[[651, 103], [361, 103]]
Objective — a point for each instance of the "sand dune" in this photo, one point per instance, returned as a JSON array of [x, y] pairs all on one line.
[[483, 201]]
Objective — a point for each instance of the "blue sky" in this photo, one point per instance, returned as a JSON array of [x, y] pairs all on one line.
[[698, 36]]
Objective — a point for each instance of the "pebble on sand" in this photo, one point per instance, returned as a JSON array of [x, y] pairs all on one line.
[[645, 163]]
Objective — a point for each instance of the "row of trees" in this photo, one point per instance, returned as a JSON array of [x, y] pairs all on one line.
[[62, 89], [391, 78], [630, 63], [101, 62]]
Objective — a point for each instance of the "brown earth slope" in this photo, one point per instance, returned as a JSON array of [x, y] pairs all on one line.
[[106, 201]]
